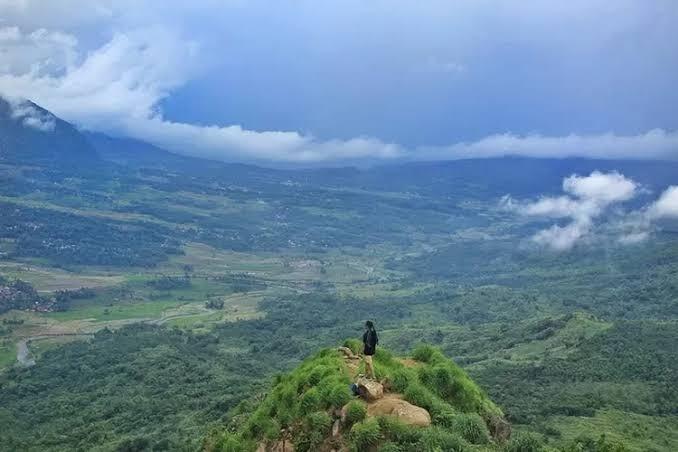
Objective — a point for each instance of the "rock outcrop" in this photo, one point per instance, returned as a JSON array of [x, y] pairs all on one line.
[[393, 405], [369, 390], [499, 428], [347, 352]]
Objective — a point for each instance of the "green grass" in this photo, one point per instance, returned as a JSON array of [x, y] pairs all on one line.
[[46, 278], [140, 310], [638, 432], [38, 347], [305, 401], [7, 354], [581, 327]]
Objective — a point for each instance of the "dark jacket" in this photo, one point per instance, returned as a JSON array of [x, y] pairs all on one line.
[[370, 340]]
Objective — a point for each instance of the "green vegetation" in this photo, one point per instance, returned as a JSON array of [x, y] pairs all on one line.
[[238, 273], [301, 408], [138, 383], [303, 404]]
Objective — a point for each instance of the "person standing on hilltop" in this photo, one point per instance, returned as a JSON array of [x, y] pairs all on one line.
[[370, 341]]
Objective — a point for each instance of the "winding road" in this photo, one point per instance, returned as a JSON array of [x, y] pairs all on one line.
[[23, 353]]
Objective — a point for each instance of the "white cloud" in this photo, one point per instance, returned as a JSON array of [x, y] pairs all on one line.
[[562, 238], [559, 207], [666, 206], [654, 144], [588, 198], [118, 85], [30, 116], [117, 88], [601, 188], [38, 53], [634, 238]]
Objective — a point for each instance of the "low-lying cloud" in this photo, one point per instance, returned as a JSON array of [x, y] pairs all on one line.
[[593, 205], [29, 116], [666, 206], [118, 87]]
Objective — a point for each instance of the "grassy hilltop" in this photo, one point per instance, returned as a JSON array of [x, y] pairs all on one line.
[[312, 409]]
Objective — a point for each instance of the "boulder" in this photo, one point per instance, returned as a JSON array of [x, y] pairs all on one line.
[[335, 428], [500, 428], [347, 352], [369, 390], [401, 409]]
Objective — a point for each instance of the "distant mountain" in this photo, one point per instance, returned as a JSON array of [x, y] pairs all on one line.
[[29, 134], [131, 152]]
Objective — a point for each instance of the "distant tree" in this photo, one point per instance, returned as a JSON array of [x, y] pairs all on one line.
[[214, 304]]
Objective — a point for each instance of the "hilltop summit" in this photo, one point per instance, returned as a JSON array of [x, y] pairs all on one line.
[[423, 402]]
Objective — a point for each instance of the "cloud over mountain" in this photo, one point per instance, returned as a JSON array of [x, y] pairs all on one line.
[[113, 66], [29, 116]]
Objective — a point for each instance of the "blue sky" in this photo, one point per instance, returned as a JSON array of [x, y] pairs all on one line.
[[327, 82]]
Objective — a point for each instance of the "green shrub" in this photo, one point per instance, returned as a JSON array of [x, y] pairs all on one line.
[[442, 414], [384, 357], [316, 428], [435, 439], [261, 425], [334, 393], [231, 442], [310, 401], [451, 383], [396, 431], [418, 395], [355, 412], [472, 428], [443, 380], [365, 434], [316, 375], [354, 344], [424, 353], [318, 421], [390, 447], [589, 444], [524, 443], [400, 379]]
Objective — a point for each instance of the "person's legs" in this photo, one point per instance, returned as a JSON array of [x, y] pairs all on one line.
[[369, 368]]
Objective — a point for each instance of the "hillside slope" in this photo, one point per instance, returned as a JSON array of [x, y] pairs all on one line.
[[425, 402], [428, 404], [31, 134]]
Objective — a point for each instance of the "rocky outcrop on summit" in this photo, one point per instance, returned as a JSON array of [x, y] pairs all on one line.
[[369, 390], [393, 405]]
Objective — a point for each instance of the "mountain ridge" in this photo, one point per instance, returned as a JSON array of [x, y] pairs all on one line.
[[31, 134], [22, 140]]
